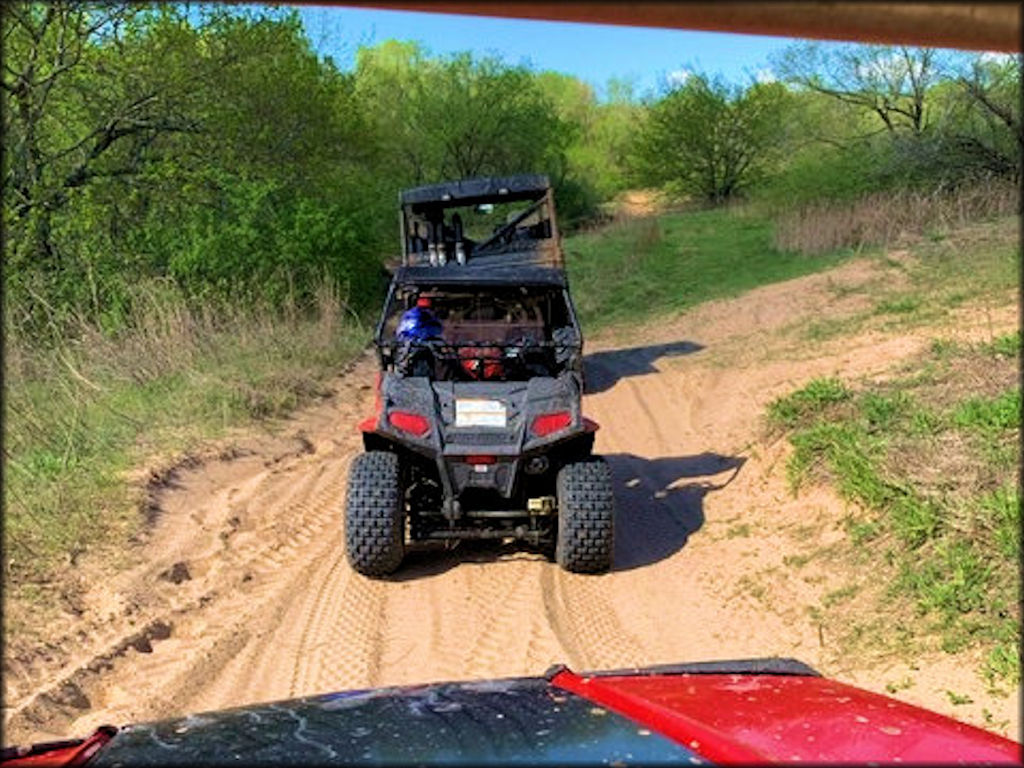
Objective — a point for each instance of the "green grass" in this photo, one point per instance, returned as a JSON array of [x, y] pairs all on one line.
[[902, 685], [954, 547], [957, 699], [899, 305], [952, 544], [630, 272], [932, 286], [1007, 345], [974, 263], [943, 349], [788, 411], [989, 414], [881, 411]]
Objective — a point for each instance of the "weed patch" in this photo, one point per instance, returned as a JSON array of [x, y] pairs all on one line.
[[1007, 345], [738, 531], [899, 305], [989, 414], [807, 402], [927, 468], [902, 685]]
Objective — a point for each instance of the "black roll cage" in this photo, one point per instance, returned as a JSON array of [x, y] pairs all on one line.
[[386, 348]]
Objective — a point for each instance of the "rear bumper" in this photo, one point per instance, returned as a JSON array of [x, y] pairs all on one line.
[[458, 473]]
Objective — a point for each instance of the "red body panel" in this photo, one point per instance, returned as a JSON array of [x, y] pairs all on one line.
[[369, 424], [73, 753], [783, 718]]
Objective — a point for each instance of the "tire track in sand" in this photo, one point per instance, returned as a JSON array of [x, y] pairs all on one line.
[[341, 646], [468, 621], [198, 667], [585, 622], [274, 512], [508, 597]]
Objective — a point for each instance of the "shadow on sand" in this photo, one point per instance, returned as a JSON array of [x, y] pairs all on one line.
[[659, 503], [602, 369], [424, 559]]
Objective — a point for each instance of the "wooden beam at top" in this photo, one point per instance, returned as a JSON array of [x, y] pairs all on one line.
[[976, 26]]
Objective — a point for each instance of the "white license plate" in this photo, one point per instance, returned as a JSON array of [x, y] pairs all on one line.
[[480, 413]]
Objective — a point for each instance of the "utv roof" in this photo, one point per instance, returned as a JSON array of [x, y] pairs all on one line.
[[465, 275], [473, 191]]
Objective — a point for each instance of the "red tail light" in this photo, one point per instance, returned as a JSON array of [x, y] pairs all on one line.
[[481, 459], [547, 423], [412, 423]]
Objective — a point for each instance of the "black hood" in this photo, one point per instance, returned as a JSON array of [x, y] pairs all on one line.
[[519, 721]]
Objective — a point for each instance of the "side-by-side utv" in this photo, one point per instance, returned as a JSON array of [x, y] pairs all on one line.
[[478, 431]]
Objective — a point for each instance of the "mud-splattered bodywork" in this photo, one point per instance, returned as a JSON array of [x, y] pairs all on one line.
[[737, 712], [511, 722]]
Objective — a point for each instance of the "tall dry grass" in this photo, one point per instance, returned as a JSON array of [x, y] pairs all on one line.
[[883, 218], [82, 410]]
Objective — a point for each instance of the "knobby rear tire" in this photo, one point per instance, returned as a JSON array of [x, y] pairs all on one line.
[[586, 516], [375, 514]]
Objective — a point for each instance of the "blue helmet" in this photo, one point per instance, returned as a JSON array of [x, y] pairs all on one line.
[[418, 324]]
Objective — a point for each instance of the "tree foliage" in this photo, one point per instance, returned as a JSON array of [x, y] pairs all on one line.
[[945, 115], [212, 146], [985, 130], [141, 142], [457, 117], [597, 152], [891, 83], [708, 140], [87, 101]]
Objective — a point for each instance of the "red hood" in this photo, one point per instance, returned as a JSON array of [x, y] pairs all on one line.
[[744, 718]]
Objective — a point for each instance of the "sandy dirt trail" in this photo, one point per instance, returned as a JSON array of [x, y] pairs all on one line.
[[243, 593]]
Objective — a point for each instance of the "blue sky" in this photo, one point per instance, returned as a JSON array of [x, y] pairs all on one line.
[[591, 52]]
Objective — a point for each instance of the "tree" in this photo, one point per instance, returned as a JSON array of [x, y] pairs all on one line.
[[96, 94], [386, 79], [280, 188], [985, 129], [889, 82], [596, 154], [939, 116], [577, 176], [458, 116], [614, 124], [708, 140], [572, 98], [213, 147], [63, 125]]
